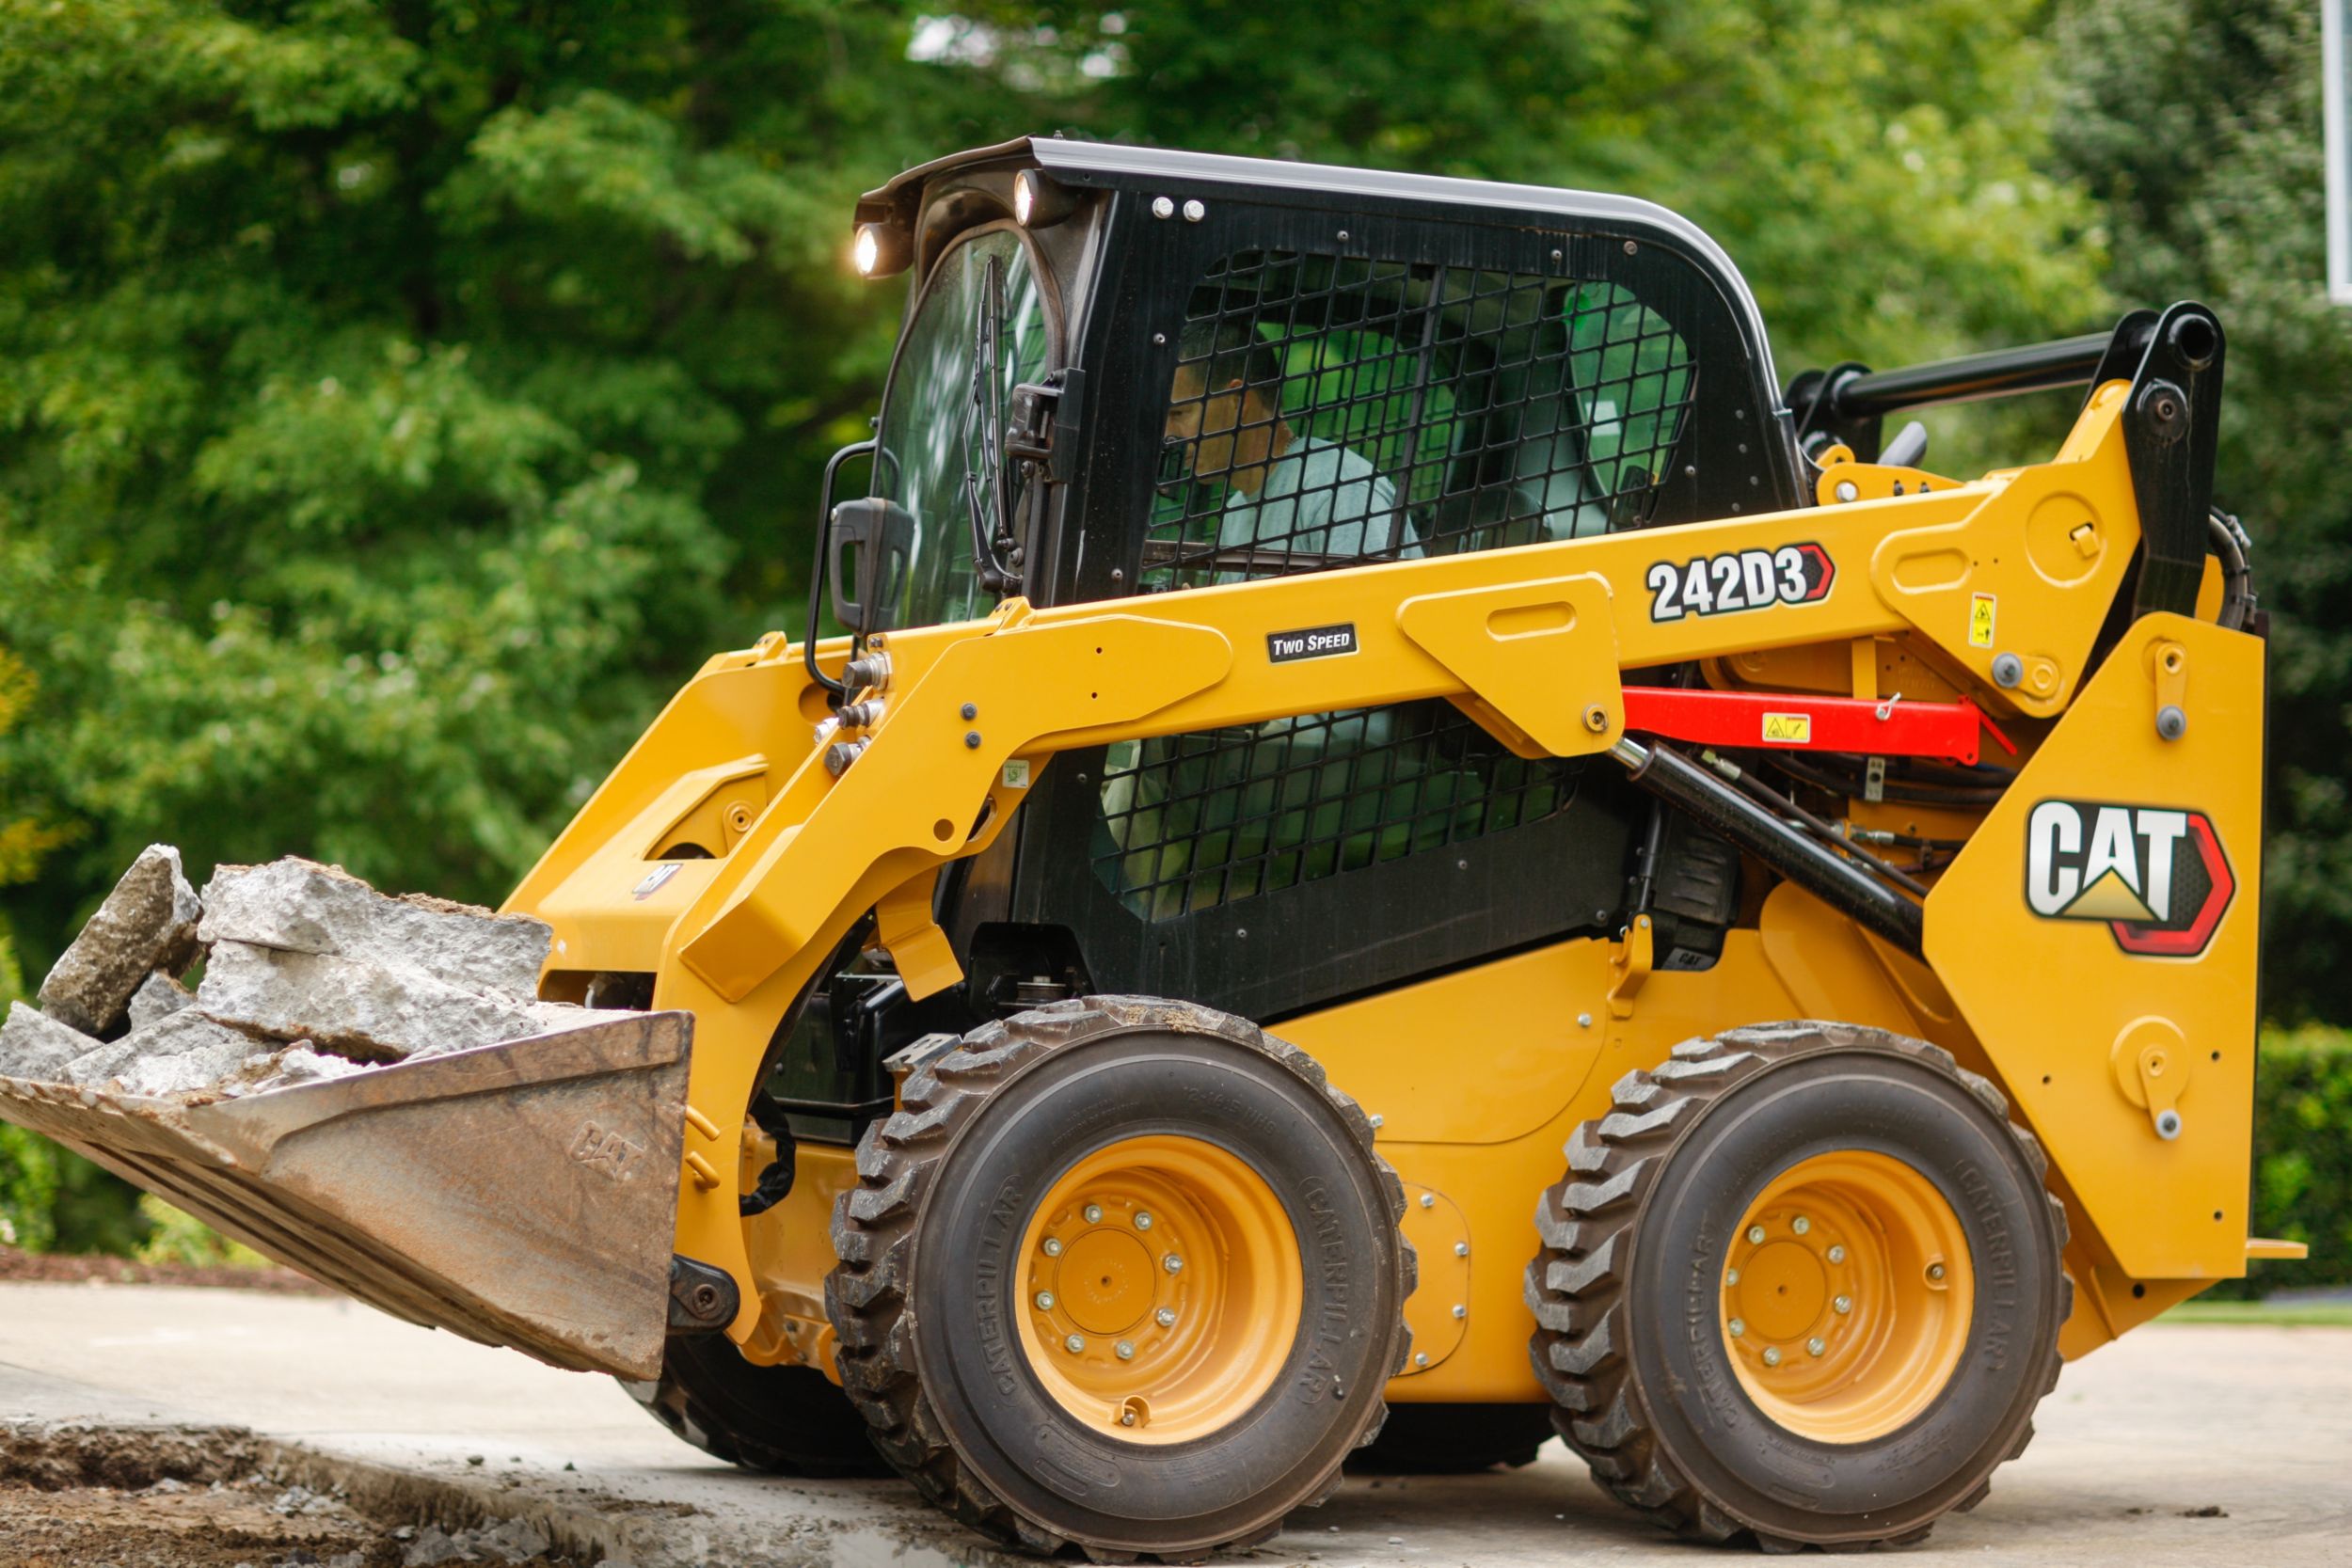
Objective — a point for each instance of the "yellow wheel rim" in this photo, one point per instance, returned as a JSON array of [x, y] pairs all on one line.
[[1161, 1288], [1847, 1296]]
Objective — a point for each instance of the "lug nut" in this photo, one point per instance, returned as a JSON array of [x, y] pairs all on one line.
[[1755, 1235], [1771, 1356], [1045, 1301], [1800, 1225], [1173, 1264], [1461, 1249], [1420, 1358], [1844, 1305], [1126, 1352], [1126, 1418], [1736, 1327], [1143, 1219], [1052, 1246], [1815, 1345], [1074, 1344], [1094, 1213], [1429, 1200], [1460, 1311], [1837, 1255], [1164, 1317], [1731, 1277]]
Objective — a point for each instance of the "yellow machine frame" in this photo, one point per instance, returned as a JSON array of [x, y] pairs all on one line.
[[1531, 642]]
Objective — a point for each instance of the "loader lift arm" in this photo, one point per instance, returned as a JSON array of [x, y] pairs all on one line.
[[1531, 642]]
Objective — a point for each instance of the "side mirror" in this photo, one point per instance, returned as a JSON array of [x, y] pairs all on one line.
[[882, 534]]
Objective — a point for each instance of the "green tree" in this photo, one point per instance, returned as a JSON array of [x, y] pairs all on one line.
[[2197, 125], [1874, 171], [401, 396], [400, 399]]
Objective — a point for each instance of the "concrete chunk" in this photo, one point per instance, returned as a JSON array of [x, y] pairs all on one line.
[[36, 1046], [298, 906], [363, 1010], [147, 923], [289, 1068], [158, 997], [183, 1053]]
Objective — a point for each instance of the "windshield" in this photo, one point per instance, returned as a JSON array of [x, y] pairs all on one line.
[[937, 424]]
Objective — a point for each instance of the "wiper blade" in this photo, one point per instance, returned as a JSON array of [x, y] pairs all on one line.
[[984, 487]]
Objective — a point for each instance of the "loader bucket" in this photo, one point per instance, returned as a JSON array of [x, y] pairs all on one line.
[[520, 1195]]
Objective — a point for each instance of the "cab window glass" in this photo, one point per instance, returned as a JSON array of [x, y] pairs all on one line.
[[942, 404]]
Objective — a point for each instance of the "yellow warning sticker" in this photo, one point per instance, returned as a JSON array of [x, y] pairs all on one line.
[[1981, 608], [1789, 729]]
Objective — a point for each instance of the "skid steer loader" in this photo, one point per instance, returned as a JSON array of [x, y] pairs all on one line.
[[1359, 682]]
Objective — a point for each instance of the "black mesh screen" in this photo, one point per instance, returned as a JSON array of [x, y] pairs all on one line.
[[1327, 411]]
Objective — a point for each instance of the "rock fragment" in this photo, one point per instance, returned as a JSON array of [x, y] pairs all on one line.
[[372, 1012], [176, 1054], [298, 906], [181, 1054], [36, 1046], [147, 923], [158, 997]]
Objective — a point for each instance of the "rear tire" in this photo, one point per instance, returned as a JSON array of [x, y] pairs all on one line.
[[785, 1420], [1122, 1274], [1455, 1439], [1805, 1282]]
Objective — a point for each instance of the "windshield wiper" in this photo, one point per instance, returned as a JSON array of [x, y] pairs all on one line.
[[984, 486]]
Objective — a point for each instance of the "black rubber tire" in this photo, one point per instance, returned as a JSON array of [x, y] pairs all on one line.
[[1631, 1251], [922, 1297], [785, 1420], [1455, 1439]]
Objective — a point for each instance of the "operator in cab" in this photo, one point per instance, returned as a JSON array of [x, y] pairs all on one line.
[[1285, 493]]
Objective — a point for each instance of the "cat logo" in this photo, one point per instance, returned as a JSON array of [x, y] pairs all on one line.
[[2155, 876]]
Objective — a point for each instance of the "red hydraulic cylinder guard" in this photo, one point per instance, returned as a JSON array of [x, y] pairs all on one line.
[[1776, 720]]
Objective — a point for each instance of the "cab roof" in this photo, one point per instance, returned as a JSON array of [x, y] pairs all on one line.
[[1109, 164]]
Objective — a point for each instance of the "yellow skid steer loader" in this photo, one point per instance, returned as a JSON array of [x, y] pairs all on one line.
[[1358, 682]]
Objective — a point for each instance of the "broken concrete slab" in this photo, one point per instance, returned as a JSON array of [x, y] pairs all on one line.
[[372, 1012], [298, 906], [158, 997], [35, 1046], [289, 1068], [147, 923], [182, 1052], [185, 1054]]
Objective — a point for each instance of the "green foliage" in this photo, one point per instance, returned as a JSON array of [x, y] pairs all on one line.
[[401, 398], [2303, 1154], [28, 1189], [177, 1238], [2197, 125]]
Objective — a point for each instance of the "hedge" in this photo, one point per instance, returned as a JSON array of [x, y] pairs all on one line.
[[2303, 1156]]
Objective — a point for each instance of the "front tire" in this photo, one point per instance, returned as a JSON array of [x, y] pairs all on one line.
[[1122, 1274], [1805, 1281]]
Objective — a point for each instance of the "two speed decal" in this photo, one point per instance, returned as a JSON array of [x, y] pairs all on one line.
[[1739, 580]]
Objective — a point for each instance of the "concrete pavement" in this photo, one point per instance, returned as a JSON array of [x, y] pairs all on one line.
[[2137, 1441]]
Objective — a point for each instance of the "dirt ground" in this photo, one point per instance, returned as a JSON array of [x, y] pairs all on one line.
[[73, 1269], [200, 1497]]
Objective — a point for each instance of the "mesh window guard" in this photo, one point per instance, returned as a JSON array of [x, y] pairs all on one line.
[[1327, 411]]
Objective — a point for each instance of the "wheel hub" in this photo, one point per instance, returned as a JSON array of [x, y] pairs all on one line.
[[1847, 1296], [1151, 1273], [1105, 1279]]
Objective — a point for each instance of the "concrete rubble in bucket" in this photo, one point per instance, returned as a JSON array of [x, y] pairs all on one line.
[[309, 974]]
